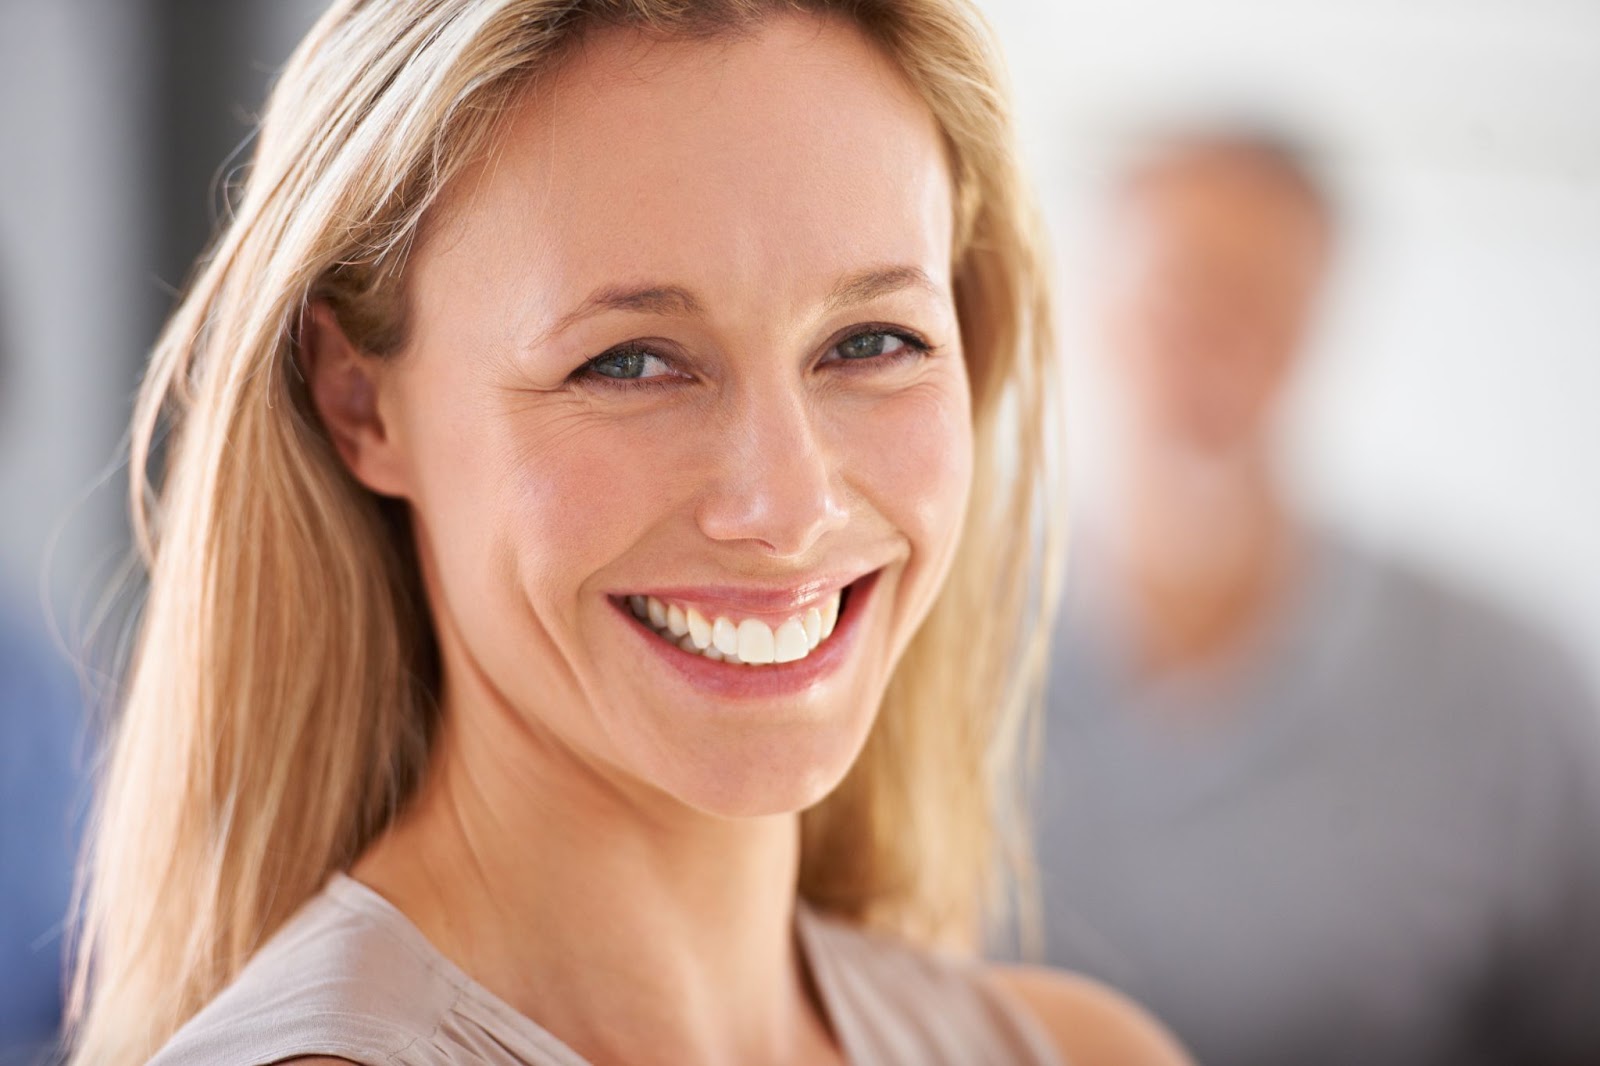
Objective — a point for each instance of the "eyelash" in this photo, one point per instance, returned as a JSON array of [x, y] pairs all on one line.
[[915, 348]]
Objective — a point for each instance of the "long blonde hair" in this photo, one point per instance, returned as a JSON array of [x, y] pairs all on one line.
[[279, 702]]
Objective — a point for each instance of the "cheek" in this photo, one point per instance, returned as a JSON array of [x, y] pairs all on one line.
[[911, 457], [583, 491], [525, 501]]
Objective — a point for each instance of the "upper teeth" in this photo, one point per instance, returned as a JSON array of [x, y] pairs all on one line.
[[749, 640]]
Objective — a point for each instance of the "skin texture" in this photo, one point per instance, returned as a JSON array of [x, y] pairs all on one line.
[[1215, 264], [608, 847]]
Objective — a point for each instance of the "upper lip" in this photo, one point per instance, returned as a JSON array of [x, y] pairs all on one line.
[[756, 598]]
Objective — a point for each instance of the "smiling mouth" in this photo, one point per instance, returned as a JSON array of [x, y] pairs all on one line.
[[739, 640]]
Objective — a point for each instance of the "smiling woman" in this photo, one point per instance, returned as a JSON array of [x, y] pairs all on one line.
[[590, 578]]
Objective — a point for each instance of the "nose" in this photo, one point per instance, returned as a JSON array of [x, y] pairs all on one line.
[[775, 482]]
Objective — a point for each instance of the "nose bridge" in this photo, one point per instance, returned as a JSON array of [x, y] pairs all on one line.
[[776, 481]]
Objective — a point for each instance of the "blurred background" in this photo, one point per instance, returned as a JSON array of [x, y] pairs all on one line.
[[1449, 410]]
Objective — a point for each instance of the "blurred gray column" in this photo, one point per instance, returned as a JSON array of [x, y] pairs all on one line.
[[119, 122], [75, 281]]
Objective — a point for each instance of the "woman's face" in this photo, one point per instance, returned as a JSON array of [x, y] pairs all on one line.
[[684, 347]]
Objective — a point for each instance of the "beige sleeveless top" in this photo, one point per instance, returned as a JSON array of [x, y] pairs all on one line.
[[350, 975]]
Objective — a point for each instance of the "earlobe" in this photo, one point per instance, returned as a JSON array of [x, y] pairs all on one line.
[[343, 382]]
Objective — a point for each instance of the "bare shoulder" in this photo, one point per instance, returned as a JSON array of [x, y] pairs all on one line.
[[1092, 1024]]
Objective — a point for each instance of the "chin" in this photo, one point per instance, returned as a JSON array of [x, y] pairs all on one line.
[[746, 767]]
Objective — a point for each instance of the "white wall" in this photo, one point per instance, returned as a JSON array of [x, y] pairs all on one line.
[[1452, 409]]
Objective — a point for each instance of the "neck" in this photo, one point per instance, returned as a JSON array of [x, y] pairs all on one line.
[[1206, 549], [583, 901]]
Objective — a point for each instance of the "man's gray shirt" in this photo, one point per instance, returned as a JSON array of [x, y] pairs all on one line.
[[1374, 841]]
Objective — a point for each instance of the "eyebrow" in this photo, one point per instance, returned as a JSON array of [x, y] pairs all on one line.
[[865, 285], [857, 288]]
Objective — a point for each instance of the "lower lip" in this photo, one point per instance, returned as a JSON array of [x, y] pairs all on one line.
[[737, 681]]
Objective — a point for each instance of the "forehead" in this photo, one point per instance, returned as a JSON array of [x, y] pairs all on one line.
[[1227, 200], [792, 153]]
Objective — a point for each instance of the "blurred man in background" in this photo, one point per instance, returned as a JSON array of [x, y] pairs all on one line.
[[1309, 806]]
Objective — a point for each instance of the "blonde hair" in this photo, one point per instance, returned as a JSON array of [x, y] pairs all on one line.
[[279, 702]]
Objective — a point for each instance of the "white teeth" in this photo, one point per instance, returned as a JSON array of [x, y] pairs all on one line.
[[699, 630], [813, 627], [725, 636], [791, 641], [830, 615], [747, 641], [755, 641]]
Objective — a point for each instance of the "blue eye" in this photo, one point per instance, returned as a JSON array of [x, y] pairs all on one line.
[[878, 344], [628, 364]]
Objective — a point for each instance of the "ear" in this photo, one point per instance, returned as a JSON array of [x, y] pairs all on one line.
[[345, 384]]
